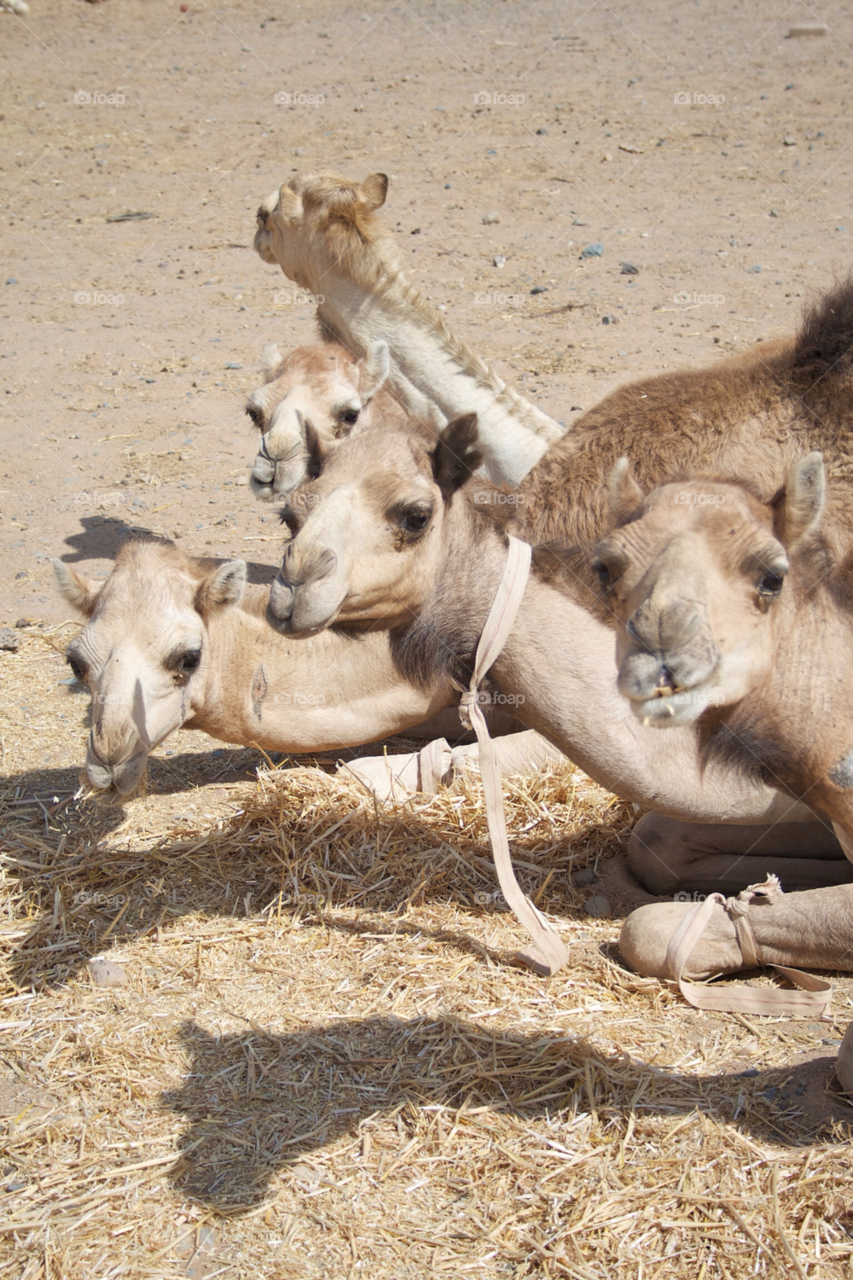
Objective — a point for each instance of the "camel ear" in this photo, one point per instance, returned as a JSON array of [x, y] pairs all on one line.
[[804, 499], [223, 586], [373, 369], [270, 358], [289, 203], [373, 191], [80, 592], [456, 456], [625, 494]]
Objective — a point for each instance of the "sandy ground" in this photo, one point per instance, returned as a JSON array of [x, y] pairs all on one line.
[[694, 141]]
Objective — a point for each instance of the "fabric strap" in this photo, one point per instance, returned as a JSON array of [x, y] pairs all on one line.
[[813, 998], [549, 953]]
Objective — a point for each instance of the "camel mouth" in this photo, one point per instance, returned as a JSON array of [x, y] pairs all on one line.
[[123, 778], [262, 490], [675, 707]]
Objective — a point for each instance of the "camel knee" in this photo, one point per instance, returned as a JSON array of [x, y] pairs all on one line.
[[654, 854]]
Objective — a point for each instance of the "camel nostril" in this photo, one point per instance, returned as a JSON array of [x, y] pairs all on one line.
[[665, 684]]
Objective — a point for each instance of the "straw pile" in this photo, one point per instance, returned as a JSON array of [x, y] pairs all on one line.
[[324, 1062]]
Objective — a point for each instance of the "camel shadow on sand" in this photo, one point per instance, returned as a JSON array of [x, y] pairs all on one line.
[[101, 537], [255, 1103]]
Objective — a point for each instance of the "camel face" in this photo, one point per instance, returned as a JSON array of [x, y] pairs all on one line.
[[368, 532], [311, 400], [295, 218], [142, 652], [696, 575]]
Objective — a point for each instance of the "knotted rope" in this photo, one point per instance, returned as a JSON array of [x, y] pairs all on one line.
[[811, 1001]]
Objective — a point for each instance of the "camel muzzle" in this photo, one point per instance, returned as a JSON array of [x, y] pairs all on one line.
[[300, 599], [125, 775]]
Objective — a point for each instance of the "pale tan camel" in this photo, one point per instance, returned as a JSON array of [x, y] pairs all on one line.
[[752, 416], [311, 399], [173, 643], [324, 234]]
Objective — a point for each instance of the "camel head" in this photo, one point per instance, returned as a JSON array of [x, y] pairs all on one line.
[[310, 401], [695, 573], [368, 534], [143, 650], [316, 221]]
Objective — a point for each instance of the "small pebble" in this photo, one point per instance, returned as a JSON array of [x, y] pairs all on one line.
[[499, 260], [489, 218], [539, 288], [628, 269], [107, 974], [789, 142], [542, 131], [22, 573], [585, 876], [593, 250], [416, 231], [232, 364], [9, 640], [609, 320], [11, 280], [598, 907], [242, 480], [755, 269], [773, 213]]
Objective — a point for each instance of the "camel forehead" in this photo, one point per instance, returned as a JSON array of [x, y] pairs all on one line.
[[392, 455], [316, 188], [702, 505]]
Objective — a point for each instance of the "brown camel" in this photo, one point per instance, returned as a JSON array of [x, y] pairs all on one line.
[[324, 234], [733, 615]]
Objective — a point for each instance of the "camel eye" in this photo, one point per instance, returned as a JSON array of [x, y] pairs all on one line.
[[602, 572], [415, 521], [350, 416], [770, 584], [186, 663], [256, 415], [78, 669]]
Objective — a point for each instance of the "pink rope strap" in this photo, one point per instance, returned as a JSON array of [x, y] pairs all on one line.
[[549, 953]]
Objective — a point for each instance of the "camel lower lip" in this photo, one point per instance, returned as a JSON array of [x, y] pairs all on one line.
[[679, 708]]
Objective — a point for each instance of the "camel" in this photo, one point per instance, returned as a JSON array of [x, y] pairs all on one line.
[[171, 642], [732, 615], [324, 234], [753, 415], [309, 401]]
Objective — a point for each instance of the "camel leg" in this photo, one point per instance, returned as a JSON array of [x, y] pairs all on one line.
[[808, 930], [396, 777], [672, 857]]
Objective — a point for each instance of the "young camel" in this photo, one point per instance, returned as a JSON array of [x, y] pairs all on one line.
[[324, 234], [310, 400], [733, 616]]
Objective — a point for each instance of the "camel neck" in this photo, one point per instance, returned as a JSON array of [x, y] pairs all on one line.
[[430, 366], [311, 693]]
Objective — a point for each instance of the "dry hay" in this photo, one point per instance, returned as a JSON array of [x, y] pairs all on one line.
[[325, 1064]]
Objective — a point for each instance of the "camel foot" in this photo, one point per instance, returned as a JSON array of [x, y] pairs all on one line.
[[647, 933]]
